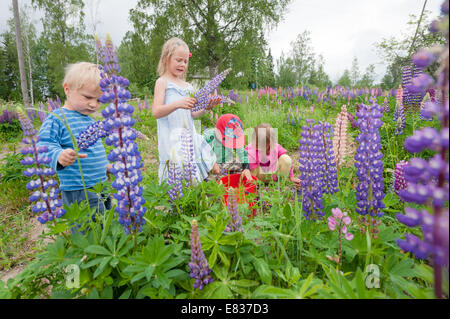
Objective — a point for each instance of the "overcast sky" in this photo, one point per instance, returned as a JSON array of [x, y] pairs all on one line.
[[340, 29]]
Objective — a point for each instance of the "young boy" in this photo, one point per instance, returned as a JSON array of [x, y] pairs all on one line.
[[81, 86], [227, 141]]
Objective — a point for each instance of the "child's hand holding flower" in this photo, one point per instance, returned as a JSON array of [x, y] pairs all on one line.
[[213, 102], [187, 103]]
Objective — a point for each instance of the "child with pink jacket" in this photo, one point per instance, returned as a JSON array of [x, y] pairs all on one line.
[[267, 158]]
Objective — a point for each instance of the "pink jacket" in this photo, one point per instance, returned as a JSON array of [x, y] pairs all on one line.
[[268, 163]]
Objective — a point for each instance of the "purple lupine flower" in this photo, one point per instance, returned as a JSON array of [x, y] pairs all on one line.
[[399, 119], [326, 156], [174, 178], [198, 265], [420, 84], [90, 135], [428, 180], [370, 189], [399, 183], [202, 95], [232, 205], [125, 155], [31, 114], [311, 171], [233, 96], [426, 137], [423, 58], [352, 120], [53, 105], [7, 116], [386, 105], [41, 113], [187, 149], [422, 249], [45, 192]]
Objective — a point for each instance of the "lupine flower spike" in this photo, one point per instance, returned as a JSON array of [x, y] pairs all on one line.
[[232, 205], [340, 138], [339, 221], [399, 113], [370, 189], [203, 95], [428, 181], [199, 268], [125, 155], [399, 183], [45, 192], [326, 156], [311, 171]]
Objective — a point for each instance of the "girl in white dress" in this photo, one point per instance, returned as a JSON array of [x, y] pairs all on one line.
[[172, 108]]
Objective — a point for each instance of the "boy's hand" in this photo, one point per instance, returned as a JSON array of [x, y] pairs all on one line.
[[186, 103], [68, 157], [213, 102]]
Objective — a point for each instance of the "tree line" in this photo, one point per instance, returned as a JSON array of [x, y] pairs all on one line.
[[220, 34]]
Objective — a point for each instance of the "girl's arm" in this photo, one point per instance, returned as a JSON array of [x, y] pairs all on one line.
[[160, 110], [198, 113]]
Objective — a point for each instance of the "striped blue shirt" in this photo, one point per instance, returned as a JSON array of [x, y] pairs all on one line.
[[56, 137]]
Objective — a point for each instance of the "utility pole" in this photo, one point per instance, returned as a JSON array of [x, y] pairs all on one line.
[[23, 76]]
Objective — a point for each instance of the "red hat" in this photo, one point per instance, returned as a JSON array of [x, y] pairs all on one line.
[[231, 131]]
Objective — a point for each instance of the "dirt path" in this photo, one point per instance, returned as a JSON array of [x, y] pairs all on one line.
[[34, 240]]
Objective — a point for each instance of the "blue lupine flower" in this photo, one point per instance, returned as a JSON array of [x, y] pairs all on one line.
[[202, 96], [370, 189], [311, 172], [327, 158], [125, 156], [427, 181], [90, 135], [48, 204]]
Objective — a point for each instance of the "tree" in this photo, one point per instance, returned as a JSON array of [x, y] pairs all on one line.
[[354, 72], [23, 76], [317, 76], [396, 53], [64, 37], [368, 77], [213, 29], [286, 74], [302, 56], [269, 75], [345, 79]]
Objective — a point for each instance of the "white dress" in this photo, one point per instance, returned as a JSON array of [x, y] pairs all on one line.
[[169, 130]]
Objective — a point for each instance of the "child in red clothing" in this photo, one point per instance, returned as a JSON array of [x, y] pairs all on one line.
[[266, 157]]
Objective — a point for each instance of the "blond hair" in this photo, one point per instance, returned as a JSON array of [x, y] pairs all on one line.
[[263, 135], [167, 51], [81, 73]]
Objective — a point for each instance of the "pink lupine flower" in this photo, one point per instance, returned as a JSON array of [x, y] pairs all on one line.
[[339, 221], [337, 213]]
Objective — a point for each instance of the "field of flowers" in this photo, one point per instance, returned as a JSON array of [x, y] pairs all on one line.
[[369, 221]]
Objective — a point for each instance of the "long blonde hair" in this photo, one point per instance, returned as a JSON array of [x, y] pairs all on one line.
[[167, 51], [263, 135]]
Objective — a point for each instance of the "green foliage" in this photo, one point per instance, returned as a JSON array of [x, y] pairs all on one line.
[[10, 131]]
